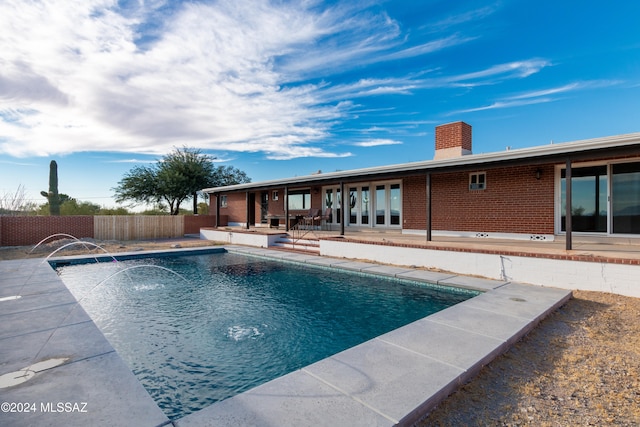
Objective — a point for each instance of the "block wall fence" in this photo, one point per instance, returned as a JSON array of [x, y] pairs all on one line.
[[29, 230]]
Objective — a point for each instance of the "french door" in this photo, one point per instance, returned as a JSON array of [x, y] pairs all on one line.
[[375, 205]]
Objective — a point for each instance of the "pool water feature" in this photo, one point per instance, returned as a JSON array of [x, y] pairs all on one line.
[[240, 321]]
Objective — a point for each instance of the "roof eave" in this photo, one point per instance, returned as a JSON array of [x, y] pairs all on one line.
[[541, 152]]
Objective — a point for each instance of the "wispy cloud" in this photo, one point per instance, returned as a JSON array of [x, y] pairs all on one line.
[[425, 48], [504, 104], [17, 163], [132, 161], [409, 84], [571, 87], [538, 96], [465, 17], [510, 70], [377, 143]]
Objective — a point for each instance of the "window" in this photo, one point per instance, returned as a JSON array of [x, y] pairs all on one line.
[[274, 196], [625, 193], [364, 209], [299, 200], [588, 199], [223, 201], [395, 204], [477, 181]]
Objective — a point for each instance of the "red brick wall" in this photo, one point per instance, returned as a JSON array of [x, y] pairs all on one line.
[[29, 230], [514, 201], [414, 203], [276, 207], [236, 209], [193, 223], [452, 135]]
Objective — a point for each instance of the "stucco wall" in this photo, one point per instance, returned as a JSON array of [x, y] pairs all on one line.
[[567, 273]]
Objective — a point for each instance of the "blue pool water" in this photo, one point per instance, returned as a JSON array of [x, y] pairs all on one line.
[[225, 323]]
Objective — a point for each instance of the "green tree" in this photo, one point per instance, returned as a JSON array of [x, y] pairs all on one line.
[[46, 209], [75, 207], [175, 178], [114, 211], [203, 208]]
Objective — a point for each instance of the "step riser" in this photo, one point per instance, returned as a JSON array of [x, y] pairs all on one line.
[[302, 241], [298, 246]]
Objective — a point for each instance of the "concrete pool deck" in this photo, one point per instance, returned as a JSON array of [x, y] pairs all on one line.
[[392, 379]]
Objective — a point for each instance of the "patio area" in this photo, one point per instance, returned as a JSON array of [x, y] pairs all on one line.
[[622, 248], [604, 264]]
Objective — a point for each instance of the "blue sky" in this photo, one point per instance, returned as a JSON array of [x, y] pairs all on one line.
[[280, 89]]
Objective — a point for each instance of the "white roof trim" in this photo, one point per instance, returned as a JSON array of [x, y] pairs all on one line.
[[552, 149]]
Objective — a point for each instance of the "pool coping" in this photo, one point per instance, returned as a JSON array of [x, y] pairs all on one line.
[[393, 379]]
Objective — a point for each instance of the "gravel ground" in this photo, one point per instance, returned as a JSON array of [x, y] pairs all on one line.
[[579, 367]]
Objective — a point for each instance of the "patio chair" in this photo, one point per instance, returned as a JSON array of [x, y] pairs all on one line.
[[309, 219], [324, 218]]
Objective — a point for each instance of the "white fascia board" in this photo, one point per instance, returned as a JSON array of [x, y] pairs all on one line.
[[618, 141]]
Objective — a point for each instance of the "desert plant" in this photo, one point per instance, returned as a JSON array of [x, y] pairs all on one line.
[[52, 195]]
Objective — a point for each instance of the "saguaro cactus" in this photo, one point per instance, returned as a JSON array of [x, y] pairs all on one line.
[[52, 195]]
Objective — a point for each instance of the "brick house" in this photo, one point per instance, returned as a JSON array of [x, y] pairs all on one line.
[[517, 194]]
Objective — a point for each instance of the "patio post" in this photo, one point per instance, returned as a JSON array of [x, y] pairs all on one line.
[[344, 210], [286, 208], [428, 225], [217, 210], [248, 207], [568, 221]]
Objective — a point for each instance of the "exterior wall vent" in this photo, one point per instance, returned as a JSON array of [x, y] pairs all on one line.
[[537, 237]]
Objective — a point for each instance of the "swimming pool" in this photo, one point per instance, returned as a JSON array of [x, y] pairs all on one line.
[[225, 323]]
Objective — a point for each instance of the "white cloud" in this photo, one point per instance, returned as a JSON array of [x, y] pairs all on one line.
[[73, 79], [504, 104], [463, 18], [510, 70], [88, 75], [377, 143], [563, 89], [538, 96]]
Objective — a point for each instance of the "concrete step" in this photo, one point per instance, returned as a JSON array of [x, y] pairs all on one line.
[[307, 245]]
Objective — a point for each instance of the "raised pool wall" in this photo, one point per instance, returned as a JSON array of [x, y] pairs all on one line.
[[618, 278], [248, 238]]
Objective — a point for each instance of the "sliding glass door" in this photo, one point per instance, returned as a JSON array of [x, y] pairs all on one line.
[[625, 198], [604, 198], [588, 199]]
